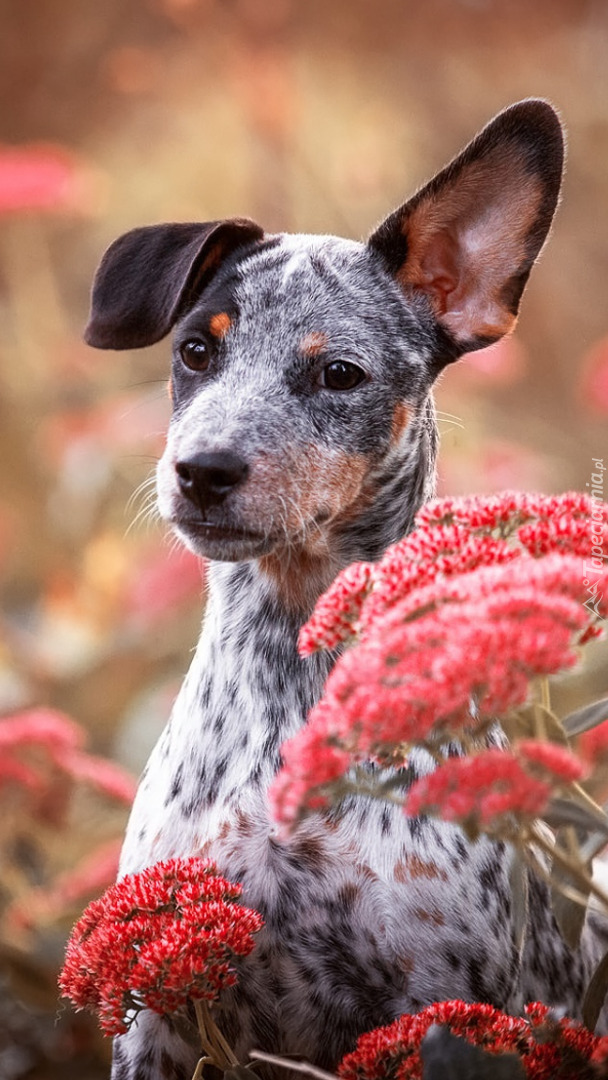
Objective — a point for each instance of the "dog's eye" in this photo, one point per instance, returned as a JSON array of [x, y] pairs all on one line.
[[195, 355], [340, 375]]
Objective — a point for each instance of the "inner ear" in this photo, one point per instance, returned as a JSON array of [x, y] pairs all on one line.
[[469, 246], [468, 240]]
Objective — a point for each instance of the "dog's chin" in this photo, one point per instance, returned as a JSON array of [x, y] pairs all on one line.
[[223, 543]]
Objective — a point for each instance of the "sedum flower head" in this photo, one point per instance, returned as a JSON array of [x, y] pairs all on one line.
[[447, 632], [544, 1046], [155, 940], [479, 789]]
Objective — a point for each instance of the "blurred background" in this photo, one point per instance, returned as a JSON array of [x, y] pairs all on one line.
[[317, 116]]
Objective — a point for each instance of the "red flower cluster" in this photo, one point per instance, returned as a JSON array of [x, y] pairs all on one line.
[[542, 1044], [155, 940], [452, 625], [476, 790], [507, 511]]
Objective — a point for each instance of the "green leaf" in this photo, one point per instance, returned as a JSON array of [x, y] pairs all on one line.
[[585, 719], [569, 912], [579, 810], [596, 994]]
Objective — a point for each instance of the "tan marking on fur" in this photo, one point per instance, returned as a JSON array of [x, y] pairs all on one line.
[[401, 418], [330, 480], [436, 918], [400, 873], [296, 575], [220, 324], [363, 870], [411, 868], [318, 481], [463, 275], [310, 852], [313, 344], [245, 826], [406, 963]]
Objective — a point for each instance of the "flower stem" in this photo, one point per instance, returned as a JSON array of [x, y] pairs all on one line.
[[545, 694], [295, 1066], [198, 1072], [213, 1042]]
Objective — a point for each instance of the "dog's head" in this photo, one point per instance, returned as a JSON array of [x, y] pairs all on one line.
[[302, 364]]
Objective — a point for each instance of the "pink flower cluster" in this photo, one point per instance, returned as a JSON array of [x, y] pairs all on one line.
[[44, 177], [40, 746], [452, 625], [593, 744], [479, 789], [155, 940], [453, 536], [546, 1048], [337, 611]]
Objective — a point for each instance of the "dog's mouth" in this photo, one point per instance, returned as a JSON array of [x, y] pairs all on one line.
[[222, 540], [213, 531]]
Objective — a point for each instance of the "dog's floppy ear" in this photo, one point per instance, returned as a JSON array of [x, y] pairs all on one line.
[[468, 239], [146, 277]]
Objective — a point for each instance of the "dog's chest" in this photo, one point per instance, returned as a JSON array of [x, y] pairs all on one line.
[[365, 913], [365, 917]]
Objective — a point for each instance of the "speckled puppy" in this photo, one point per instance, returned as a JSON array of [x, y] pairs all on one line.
[[303, 438]]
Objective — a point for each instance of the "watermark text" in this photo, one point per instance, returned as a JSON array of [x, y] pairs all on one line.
[[594, 562]]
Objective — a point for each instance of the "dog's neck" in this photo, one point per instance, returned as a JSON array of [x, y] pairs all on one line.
[[248, 689], [248, 686]]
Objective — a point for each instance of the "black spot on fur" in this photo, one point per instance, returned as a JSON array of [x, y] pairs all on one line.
[[219, 724], [475, 967], [453, 959], [176, 784], [204, 695]]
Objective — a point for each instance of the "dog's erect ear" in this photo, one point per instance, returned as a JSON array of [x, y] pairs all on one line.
[[467, 241], [147, 276]]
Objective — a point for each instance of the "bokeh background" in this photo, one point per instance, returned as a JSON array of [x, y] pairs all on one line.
[[318, 116]]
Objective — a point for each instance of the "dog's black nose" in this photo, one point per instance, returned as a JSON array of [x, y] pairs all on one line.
[[206, 479]]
